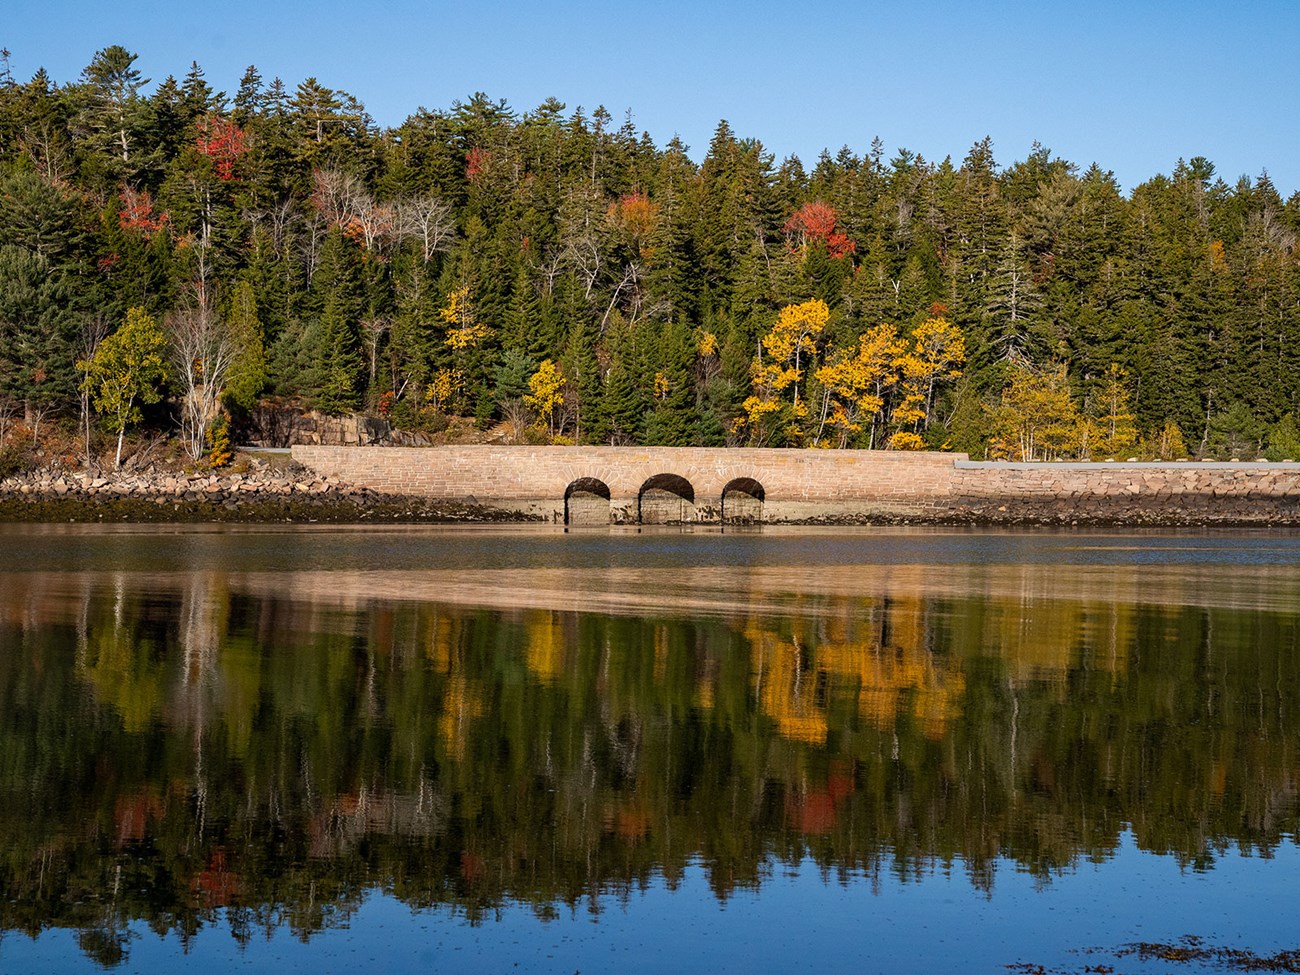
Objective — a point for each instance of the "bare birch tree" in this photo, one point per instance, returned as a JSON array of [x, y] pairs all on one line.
[[202, 352], [428, 220]]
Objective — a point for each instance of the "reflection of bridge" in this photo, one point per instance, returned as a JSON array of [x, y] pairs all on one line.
[[651, 485]]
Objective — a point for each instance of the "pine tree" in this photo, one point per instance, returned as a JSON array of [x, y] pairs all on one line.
[[250, 99], [584, 389], [675, 269], [246, 377], [523, 320], [111, 108], [198, 99]]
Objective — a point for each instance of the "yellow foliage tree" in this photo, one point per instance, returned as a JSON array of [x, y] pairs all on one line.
[[792, 340], [854, 384], [546, 395], [1114, 415], [445, 385], [1168, 444], [936, 352], [758, 407], [1037, 418], [463, 332], [906, 440]]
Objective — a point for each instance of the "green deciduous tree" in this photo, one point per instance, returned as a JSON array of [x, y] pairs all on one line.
[[127, 370]]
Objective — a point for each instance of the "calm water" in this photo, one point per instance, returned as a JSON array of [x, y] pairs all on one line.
[[416, 750]]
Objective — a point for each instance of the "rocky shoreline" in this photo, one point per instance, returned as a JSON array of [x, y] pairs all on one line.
[[1019, 513], [1141, 511], [258, 494]]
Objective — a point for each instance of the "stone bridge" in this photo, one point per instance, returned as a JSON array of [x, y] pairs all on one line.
[[668, 485], [651, 485]]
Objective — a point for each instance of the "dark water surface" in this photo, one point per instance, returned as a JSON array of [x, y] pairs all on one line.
[[516, 749]]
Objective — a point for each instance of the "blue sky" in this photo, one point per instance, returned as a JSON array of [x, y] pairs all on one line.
[[1131, 85]]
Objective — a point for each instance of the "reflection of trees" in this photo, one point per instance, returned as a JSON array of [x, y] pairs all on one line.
[[181, 756]]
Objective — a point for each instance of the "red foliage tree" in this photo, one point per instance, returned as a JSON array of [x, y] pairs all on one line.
[[137, 212], [222, 141], [475, 163], [815, 222]]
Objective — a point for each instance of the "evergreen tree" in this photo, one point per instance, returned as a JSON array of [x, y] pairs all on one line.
[[624, 407], [250, 99], [584, 389], [246, 378], [37, 331], [566, 226], [111, 109], [671, 420], [331, 342]]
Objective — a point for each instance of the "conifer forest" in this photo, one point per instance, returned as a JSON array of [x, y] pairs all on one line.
[[173, 255]]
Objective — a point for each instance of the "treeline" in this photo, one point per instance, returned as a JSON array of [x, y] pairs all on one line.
[[560, 272]]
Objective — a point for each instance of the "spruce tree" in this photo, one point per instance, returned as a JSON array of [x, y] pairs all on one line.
[[523, 325], [585, 389], [624, 407], [671, 422], [37, 331], [332, 339]]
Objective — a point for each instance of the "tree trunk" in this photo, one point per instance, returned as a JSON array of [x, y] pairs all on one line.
[[85, 420]]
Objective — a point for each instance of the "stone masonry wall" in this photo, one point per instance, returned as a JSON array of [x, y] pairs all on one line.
[[820, 485], [1135, 493]]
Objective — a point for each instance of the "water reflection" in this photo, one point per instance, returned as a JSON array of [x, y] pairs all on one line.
[[266, 747]]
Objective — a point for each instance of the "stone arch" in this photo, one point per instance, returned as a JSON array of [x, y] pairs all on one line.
[[742, 501], [586, 502], [665, 499]]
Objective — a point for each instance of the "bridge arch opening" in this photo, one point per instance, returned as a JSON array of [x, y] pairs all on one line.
[[586, 502], [665, 499], [742, 502]]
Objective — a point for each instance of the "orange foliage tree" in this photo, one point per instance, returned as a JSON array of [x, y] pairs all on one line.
[[637, 216]]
